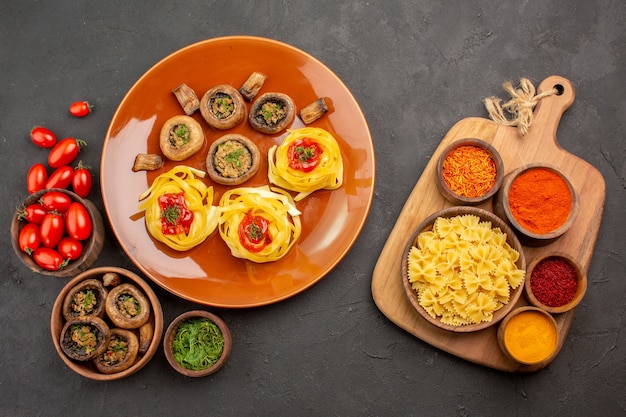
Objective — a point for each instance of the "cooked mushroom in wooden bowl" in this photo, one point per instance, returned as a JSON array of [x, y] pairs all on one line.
[[131, 337]]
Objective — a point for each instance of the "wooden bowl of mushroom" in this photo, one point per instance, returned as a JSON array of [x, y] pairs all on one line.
[[106, 323]]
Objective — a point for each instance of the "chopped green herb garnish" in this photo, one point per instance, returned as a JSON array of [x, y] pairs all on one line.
[[234, 157], [171, 214], [89, 299], [198, 344], [304, 153]]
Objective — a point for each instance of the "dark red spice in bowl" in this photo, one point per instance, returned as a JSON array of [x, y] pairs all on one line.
[[555, 283]]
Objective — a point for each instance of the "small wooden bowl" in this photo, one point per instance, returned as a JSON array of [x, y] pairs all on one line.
[[91, 247], [170, 335], [581, 288], [501, 335], [528, 238], [88, 369], [426, 225], [452, 196]]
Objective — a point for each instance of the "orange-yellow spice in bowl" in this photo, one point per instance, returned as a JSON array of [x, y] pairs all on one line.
[[528, 335]]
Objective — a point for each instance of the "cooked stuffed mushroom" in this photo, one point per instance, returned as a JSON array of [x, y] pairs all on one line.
[[120, 353], [222, 107], [84, 338], [181, 137], [272, 113], [85, 299], [127, 306], [233, 159]]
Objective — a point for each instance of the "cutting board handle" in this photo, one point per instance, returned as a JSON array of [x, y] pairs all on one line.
[[549, 110]]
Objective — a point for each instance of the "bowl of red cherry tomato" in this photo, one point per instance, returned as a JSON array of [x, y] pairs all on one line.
[[57, 232]]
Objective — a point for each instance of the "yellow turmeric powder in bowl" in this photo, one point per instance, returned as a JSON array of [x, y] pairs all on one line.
[[529, 335]]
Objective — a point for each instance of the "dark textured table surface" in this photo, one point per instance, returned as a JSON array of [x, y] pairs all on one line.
[[416, 68]]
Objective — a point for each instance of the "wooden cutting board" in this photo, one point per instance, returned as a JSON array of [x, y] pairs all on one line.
[[539, 145]]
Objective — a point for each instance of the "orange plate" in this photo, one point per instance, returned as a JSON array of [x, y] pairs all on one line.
[[331, 220]]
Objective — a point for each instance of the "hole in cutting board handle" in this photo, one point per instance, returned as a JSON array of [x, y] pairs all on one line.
[[559, 89]]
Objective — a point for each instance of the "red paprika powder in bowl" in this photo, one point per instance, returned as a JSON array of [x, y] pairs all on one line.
[[539, 203], [555, 282]]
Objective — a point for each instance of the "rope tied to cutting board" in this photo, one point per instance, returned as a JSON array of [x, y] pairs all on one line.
[[520, 106]]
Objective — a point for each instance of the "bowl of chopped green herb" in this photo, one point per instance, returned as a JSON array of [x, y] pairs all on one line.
[[197, 343]]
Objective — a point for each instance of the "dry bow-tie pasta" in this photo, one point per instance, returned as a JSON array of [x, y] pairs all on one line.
[[463, 270]]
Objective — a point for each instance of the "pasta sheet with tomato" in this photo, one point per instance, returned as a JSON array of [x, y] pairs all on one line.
[[175, 193], [308, 159], [258, 223]]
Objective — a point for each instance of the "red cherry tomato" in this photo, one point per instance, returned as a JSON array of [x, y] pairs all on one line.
[[70, 248], [65, 152], [29, 239], [304, 154], [51, 230], [254, 232], [50, 259], [80, 108], [33, 213], [55, 201], [177, 218], [82, 180], [61, 177], [36, 178], [78, 222], [43, 137]]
